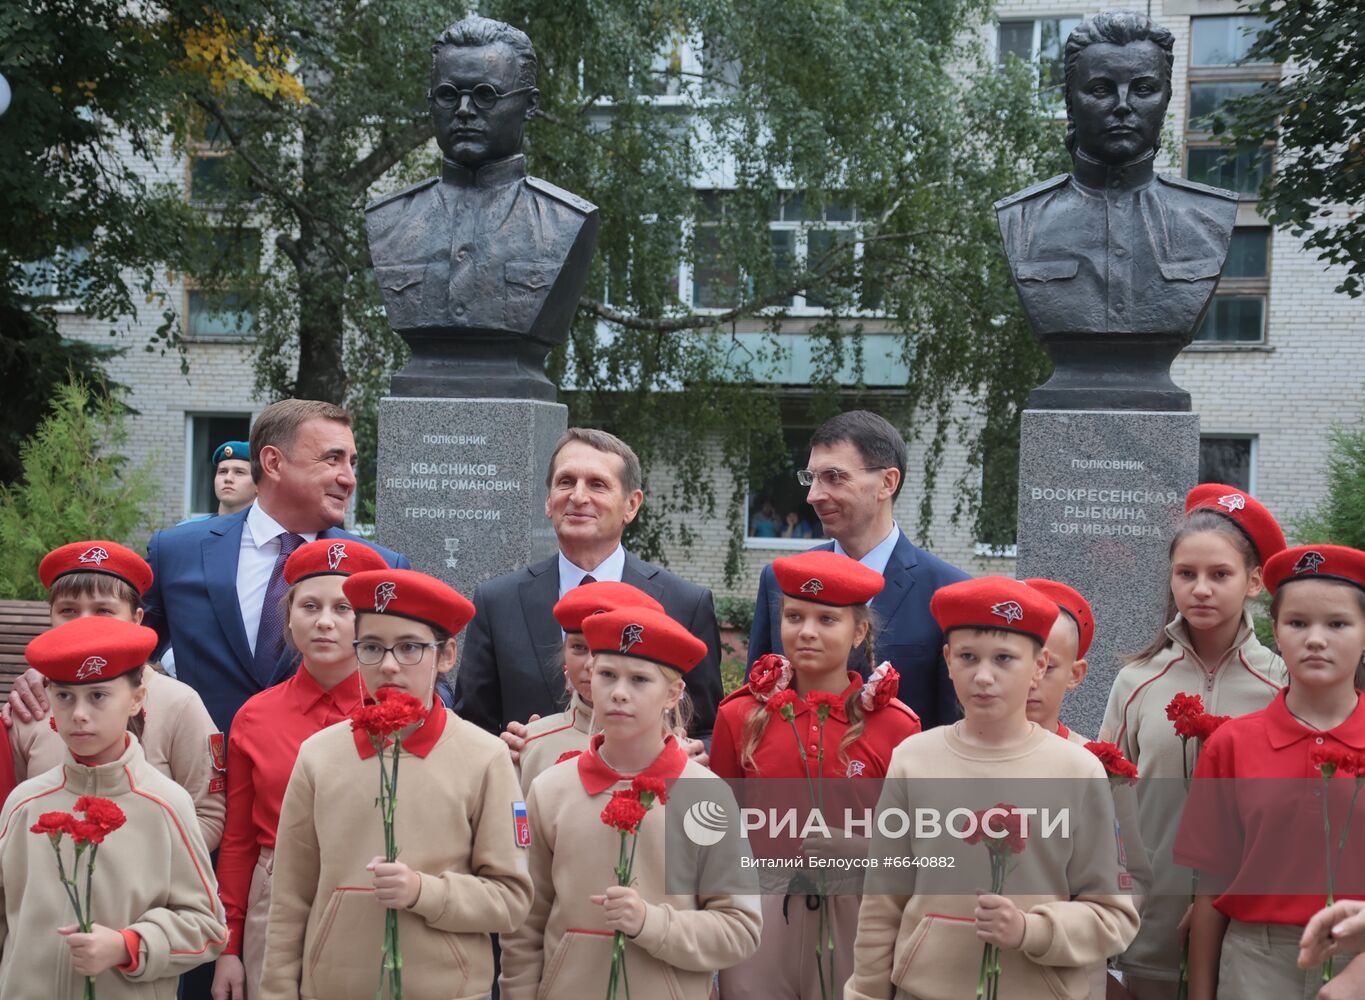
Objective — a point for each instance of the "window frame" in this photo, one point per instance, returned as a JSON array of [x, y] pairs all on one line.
[[780, 543], [192, 286], [1252, 452], [187, 497], [1258, 287]]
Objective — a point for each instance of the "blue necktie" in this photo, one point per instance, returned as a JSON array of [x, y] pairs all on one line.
[[270, 634]]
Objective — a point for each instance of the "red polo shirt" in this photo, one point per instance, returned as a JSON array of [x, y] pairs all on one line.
[[777, 754], [267, 732], [1261, 832]]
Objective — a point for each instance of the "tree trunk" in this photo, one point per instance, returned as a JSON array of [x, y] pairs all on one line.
[[322, 289]]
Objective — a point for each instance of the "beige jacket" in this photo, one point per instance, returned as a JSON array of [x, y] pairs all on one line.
[[1246, 680], [925, 945], [454, 827], [152, 876], [548, 738], [564, 948], [177, 740]]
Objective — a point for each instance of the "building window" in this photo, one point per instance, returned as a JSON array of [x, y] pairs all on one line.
[[220, 306], [1237, 313], [1041, 41], [778, 515], [204, 432], [823, 240], [210, 174], [1228, 459], [1222, 41], [57, 280]]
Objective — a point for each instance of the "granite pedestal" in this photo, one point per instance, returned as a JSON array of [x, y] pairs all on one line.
[[1100, 493], [461, 488]]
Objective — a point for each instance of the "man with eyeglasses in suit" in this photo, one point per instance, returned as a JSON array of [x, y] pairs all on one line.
[[856, 470]]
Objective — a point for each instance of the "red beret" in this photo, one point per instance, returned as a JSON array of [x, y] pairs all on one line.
[[409, 594], [1257, 523], [1070, 600], [645, 635], [90, 649], [826, 577], [328, 556], [109, 558], [1315, 562], [599, 598], [994, 602]]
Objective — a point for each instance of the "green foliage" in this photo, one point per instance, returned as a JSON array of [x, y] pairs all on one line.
[[731, 675], [1314, 117], [75, 485], [1340, 520]]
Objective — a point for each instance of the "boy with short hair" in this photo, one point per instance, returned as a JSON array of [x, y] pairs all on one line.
[[1065, 649], [925, 945]]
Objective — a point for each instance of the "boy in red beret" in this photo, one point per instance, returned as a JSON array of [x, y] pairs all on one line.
[[551, 737], [927, 945], [460, 875], [1065, 649], [155, 904], [106, 580], [673, 941]]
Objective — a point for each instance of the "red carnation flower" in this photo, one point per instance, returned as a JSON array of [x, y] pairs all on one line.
[[391, 712], [823, 703], [1118, 767], [53, 824], [624, 811], [769, 674], [102, 812], [781, 704], [1201, 726], [567, 755], [1183, 705], [1331, 760], [1005, 819], [643, 785]]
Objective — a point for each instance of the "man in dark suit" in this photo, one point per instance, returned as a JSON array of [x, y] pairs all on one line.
[[512, 664], [216, 588], [856, 470]]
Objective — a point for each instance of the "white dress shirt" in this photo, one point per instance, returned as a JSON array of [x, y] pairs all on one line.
[[571, 575], [255, 561], [880, 554]]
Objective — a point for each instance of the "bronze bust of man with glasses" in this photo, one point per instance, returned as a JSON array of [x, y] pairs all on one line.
[[481, 268]]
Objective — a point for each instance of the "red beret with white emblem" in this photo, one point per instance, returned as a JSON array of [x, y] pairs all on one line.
[[342, 557], [599, 598], [644, 635], [91, 649], [1257, 523], [1315, 562], [826, 577], [994, 602], [1070, 600], [109, 558], [409, 594]]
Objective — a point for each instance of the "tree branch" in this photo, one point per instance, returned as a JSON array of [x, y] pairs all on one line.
[[392, 148]]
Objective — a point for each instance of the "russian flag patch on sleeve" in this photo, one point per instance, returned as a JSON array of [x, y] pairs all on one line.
[[521, 824]]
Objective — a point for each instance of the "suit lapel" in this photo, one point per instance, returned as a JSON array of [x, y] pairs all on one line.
[[899, 581], [642, 576], [220, 551], [538, 596]]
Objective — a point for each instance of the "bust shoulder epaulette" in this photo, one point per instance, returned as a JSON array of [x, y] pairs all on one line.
[[1030, 191], [1181, 182], [559, 194], [389, 199]]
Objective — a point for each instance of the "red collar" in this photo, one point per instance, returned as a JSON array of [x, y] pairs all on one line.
[[800, 707], [420, 743], [1062, 731], [1282, 729], [346, 696], [597, 777]]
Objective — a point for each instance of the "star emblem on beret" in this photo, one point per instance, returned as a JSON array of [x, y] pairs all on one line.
[[1309, 562], [631, 635], [1008, 610], [384, 595], [93, 666], [335, 554], [812, 586], [1233, 502], [95, 554]]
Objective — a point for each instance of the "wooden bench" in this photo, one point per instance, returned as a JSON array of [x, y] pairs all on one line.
[[20, 621]]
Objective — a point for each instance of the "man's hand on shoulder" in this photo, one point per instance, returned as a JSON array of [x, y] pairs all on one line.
[[515, 737], [28, 697]]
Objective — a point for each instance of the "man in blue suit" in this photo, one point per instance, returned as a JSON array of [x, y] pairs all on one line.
[[216, 594], [856, 470]]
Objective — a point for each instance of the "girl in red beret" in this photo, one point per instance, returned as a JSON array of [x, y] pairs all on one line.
[[267, 732], [825, 616], [461, 872], [155, 908], [1208, 648], [550, 738], [673, 940], [1257, 893], [106, 580]]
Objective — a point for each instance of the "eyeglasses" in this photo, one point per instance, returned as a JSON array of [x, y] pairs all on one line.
[[832, 477], [484, 95], [406, 654]]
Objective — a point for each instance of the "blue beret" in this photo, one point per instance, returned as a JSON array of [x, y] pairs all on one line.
[[239, 450]]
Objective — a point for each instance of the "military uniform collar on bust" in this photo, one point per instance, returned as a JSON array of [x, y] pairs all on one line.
[[1091, 173], [490, 175]]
